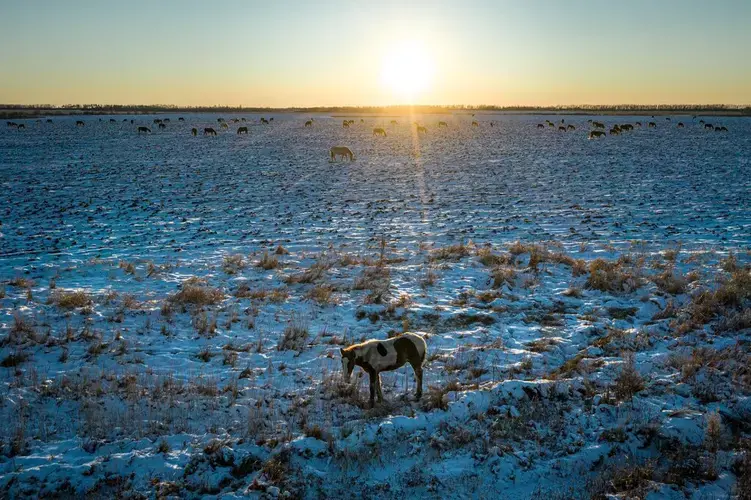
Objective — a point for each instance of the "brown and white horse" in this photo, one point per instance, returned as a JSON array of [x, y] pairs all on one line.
[[376, 356]]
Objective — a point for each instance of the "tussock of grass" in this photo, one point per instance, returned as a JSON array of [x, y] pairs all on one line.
[[503, 275], [233, 264], [670, 282], [615, 277], [197, 295], [70, 299], [268, 261], [451, 253], [322, 294], [489, 259], [20, 282], [295, 335]]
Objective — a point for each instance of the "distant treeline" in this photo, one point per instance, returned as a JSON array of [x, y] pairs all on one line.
[[26, 111]]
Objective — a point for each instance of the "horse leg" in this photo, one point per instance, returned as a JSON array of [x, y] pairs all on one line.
[[418, 379], [372, 378], [378, 388]]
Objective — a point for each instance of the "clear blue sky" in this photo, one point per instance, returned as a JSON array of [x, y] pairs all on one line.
[[285, 52]]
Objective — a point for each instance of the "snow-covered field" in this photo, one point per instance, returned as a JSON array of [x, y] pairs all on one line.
[[172, 308]]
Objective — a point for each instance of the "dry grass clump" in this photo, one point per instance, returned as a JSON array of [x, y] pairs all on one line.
[[729, 301], [670, 282], [452, 253], [233, 264], [21, 282], [503, 275], [629, 381], [627, 481], [615, 276], [280, 250], [197, 295], [377, 279], [489, 259], [437, 396], [322, 294], [312, 274], [268, 261], [295, 335], [573, 291], [517, 248], [542, 345], [127, 267], [70, 299]]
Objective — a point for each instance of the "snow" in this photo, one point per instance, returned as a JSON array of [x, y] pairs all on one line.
[[129, 392]]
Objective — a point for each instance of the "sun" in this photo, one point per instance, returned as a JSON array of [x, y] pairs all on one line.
[[407, 70]]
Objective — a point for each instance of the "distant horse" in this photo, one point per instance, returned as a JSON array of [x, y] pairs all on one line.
[[375, 356], [615, 131], [309, 123], [723, 129], [475, 124], [716, 129], [379, 131], [680, 124], [551, 124], [341, 151], [145, 130], [219, 120], [166, 120], [708, 126], [224, 125], [125, 120], [21, 125], [112, 120], [394, 122], [540, 125], [209, 131], [443, 124], [638, 124], [701, 122], [345, 124], [194, 131], [596, 133], [598, 125], [242, 119], [181, 119], [271, 119], [235, 120], [79, 123], [627, 126], [421, 129], [242, 130], [157, 121], [667, 118], [561, 128], [12, 124], [264, 121], [49, 121], [162, 126], [571, 127], [652, 125]]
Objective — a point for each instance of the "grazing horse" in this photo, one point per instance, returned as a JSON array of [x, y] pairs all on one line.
[[224, 125], [571, 127], [242, 130], [561, 128], [21, 125], [345, 124], [551, 124], [79, 123], [181, 119], [421, 129], [394, 122], [615, 131], [162, 126], [540, 125], [376, 356], [627, 126], [166, 120], [680, 125], [652, 125], [598, 125], [701, 122], [220, 120], [638, 124], [194, 131], [596, 133], [475, 124], [12, 124], [265, 121], [716, 129], [379, 131], [709, 126], [443, 124], [145, 130], [49, 121], [309, 123], [157, 121], [209, 131], [242, 119], [342, 151], [112, 120]]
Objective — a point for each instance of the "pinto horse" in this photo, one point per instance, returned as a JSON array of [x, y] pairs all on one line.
[[376, 356]]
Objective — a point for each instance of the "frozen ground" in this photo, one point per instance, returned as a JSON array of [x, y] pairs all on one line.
[[171, 308]]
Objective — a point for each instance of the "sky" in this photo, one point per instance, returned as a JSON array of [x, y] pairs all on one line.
[[288, 53]]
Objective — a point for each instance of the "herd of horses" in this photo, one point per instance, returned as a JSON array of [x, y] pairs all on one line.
[[598, 128]]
